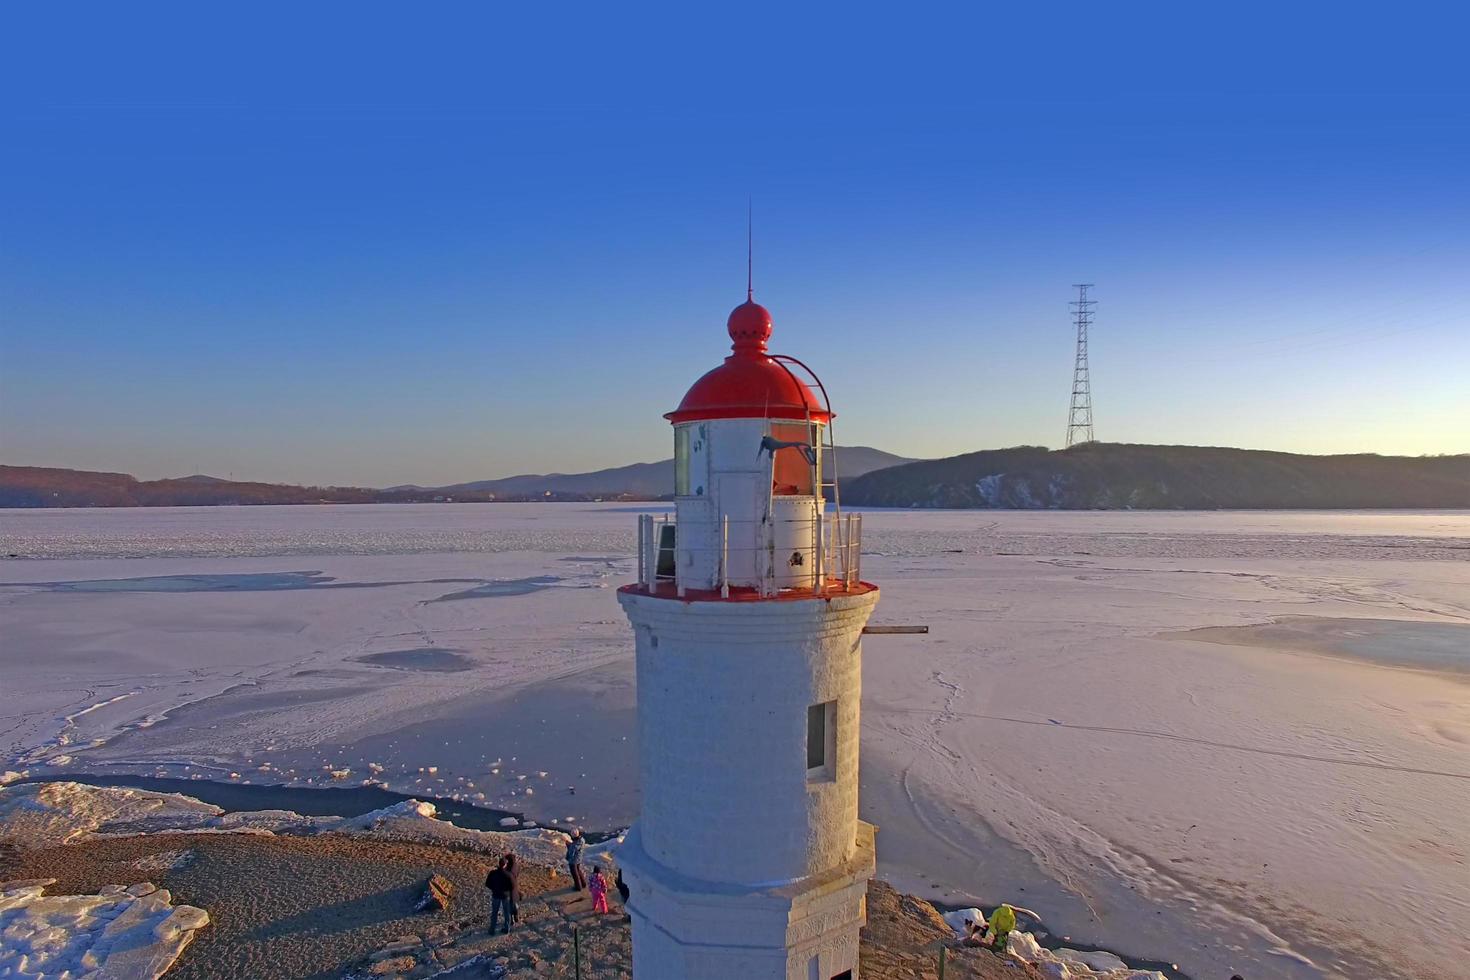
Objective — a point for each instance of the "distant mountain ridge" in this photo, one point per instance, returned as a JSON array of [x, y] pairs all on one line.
[[1094, 476], [1114, 476], [657, 479], [42, 486]]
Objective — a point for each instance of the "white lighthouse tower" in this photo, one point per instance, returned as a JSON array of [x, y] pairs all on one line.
[[748, 860]]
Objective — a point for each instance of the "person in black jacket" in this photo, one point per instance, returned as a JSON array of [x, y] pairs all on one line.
[[502, 895], [509, 862], [574, 860]]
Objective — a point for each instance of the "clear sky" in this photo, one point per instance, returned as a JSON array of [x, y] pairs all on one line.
[[375, 244]]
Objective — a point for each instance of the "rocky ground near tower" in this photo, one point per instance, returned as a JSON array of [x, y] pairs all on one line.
[[275, 896], [273, 916]]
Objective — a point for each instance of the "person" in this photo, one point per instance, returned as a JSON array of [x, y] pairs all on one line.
[[574, 860], [598, 887], [622, 887], [515, 889], [1002, 921], [502, 889]]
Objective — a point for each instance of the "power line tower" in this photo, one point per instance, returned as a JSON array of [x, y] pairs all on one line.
[[1079, 421]]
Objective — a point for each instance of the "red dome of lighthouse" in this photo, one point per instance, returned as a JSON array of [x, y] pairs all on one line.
[[750, 384]]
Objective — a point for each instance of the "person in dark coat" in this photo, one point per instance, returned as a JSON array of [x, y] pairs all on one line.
[[502, 895], [515, 892], [574, 860]]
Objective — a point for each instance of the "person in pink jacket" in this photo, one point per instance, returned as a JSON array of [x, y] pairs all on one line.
[[597, 885]]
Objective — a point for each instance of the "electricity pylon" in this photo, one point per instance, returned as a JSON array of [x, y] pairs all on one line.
[[1079, 421]]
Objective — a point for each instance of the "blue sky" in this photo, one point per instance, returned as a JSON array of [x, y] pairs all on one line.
[[373, 244]]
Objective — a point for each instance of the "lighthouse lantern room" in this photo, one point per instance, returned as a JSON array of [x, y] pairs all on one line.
[[748, 859]]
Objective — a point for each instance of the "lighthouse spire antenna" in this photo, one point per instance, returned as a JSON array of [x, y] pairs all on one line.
[[749, 251]]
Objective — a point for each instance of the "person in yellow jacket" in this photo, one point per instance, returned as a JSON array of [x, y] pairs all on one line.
[[1002, 921]]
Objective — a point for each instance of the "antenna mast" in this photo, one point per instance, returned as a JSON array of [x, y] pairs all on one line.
[[1079, 420], [749, 251]]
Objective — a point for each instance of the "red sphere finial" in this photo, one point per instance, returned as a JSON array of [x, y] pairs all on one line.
[[750, 327]]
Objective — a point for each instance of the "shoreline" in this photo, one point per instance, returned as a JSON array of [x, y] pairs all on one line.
[[318, 801], [202, 860]]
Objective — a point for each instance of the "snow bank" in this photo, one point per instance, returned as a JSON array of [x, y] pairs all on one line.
[[1074, 964], [959, 918], [414, 822], [43, 814], [1063, 963], [120, 933]]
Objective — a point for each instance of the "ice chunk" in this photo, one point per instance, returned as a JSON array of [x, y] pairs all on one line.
[[42, 814], [133, 932], [958, 920]]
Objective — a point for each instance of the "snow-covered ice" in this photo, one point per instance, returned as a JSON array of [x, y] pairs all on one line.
[[46, 814], [1103, 723], [133, 933], [1074, 964]]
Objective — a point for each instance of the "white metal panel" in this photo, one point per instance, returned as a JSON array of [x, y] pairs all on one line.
[[794, 535], [737, 496], [735, 446], [697, 554]]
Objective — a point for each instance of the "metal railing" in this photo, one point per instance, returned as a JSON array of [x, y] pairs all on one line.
[[833, 556]]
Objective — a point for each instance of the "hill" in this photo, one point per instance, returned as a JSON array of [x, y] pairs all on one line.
[[1124, 476], [651, 479], [42, 486]]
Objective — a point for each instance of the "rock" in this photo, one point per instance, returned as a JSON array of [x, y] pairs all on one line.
[[26, 883], [1099, 961], [476, 968], [403, 944], [438, 894], [397, 964]]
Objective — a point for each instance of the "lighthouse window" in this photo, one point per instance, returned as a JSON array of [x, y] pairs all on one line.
[[681, 461], [820, 740], [791, 465]]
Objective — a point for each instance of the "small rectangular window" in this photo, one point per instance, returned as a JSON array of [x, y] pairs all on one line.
[[681, 461], [816, 736], [821, 742]]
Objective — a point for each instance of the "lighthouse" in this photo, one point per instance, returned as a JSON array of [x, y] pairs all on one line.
[[748, 859]]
